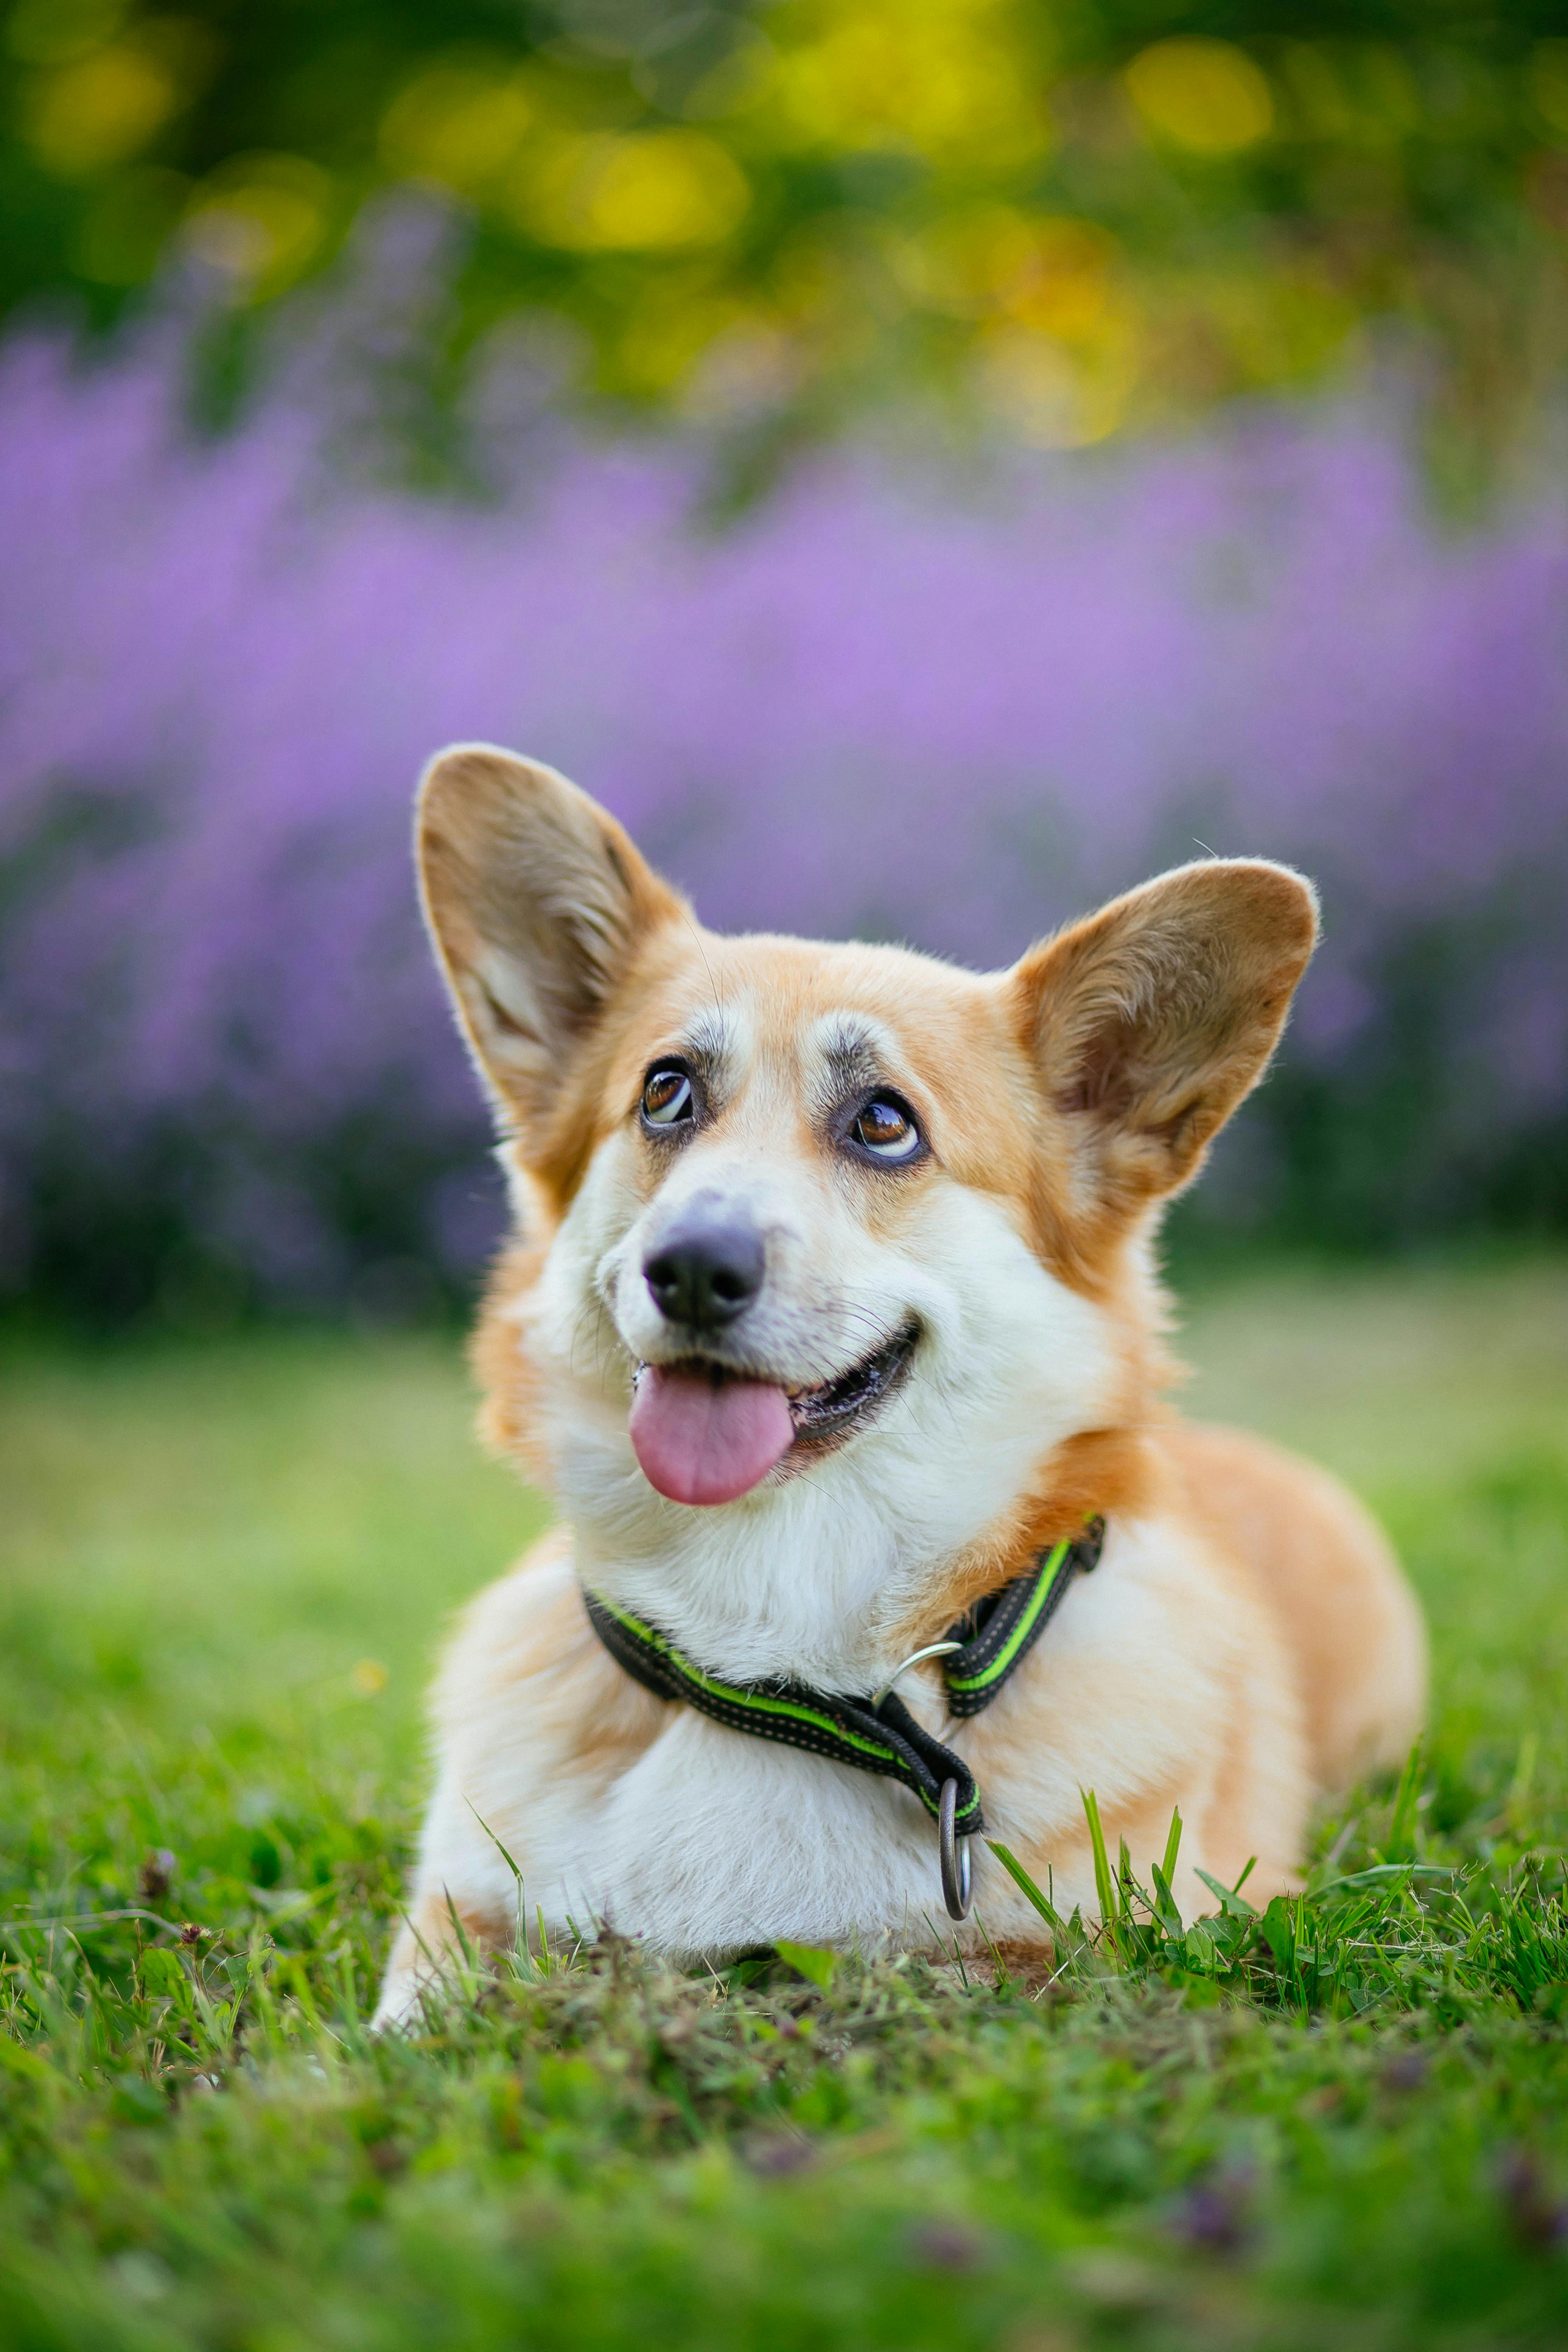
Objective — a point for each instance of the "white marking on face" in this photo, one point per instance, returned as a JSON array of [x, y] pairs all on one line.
[[811, 1572]]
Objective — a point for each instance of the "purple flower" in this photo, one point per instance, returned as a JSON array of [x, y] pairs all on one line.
[[883, 701]]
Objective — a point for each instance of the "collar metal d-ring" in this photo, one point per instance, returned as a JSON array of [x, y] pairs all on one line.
[[954, 1852], [931, 1649], [836, 1726]]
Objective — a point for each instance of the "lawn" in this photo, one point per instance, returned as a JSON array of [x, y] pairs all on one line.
[[224, 1570]]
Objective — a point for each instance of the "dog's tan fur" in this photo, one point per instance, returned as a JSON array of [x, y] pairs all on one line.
[[1248, 1641]]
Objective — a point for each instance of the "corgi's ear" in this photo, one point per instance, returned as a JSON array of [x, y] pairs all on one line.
[[538, 905], [1148, 1022]]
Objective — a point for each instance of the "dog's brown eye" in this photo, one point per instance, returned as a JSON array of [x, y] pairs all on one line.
[[887, 1131], [667, 1098]]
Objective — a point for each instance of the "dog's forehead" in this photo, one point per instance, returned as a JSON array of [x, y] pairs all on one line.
[[815, 1010], [740, 1034]]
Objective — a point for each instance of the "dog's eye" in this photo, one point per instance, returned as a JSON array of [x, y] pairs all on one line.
[[667, 1099], [886, 1130]]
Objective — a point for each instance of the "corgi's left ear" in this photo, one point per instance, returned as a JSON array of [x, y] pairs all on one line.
[[1150, 1021], [538, 905]]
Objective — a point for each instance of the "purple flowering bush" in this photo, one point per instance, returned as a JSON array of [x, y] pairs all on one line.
[[945, 704]]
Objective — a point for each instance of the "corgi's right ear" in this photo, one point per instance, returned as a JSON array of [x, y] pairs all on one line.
[[538, 905]]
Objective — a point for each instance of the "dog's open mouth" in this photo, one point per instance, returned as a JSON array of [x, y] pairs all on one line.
[[837, 1406], [706, 1433]]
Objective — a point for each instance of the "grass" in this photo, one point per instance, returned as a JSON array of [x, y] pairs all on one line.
[[1345, 2124]]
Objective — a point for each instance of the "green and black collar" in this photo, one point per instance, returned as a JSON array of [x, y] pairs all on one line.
[[876, 1734]]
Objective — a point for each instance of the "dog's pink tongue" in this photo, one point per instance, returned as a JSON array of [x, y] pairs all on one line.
[[698, 1442]]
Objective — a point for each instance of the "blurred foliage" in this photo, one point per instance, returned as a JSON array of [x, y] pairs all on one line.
[[1074, 215]]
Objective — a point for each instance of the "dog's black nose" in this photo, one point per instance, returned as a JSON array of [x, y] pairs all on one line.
[[707, 1276]]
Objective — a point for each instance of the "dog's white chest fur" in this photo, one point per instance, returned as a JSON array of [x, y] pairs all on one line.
[[713, 1842]]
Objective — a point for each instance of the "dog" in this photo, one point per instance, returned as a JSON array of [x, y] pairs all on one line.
[[832, 1322]]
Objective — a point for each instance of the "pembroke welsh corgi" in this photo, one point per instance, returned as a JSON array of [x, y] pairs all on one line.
[[832, 1324]]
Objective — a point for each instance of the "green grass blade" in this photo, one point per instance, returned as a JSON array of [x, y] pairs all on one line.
[[1166, 1909], [494, 1839], [817, 1965], [1102, 1885], [1408, 1796], [1231, 1901], [1026, 1886]]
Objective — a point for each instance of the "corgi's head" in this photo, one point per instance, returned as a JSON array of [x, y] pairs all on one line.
[[828, 1228]]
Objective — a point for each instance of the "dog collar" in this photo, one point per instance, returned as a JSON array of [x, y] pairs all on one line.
[[876, 1734]]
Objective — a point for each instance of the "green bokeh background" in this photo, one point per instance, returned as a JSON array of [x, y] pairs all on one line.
[[1074, 218]]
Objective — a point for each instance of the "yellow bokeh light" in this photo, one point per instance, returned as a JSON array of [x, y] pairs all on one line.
[[966, 262], [654, 191], [459, 123], [1206, 96], [1049, 396], [101, 110], [260, 222], [1267, 330], [940, 79], [1050, 273], [1066, 291], [664, 338]]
